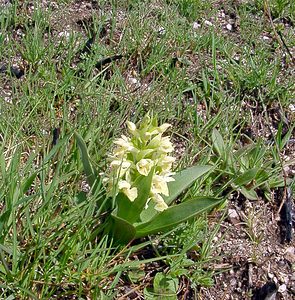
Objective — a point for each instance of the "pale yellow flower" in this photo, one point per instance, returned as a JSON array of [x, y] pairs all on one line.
[[131, 193], [124, 142], [120, 166], [124, 145], [138, 155], [159, 185], [131, 126], [164, 127], [161, 205], [125, 187], [165, 145], [144, 166], [166, 163], [167, 176]]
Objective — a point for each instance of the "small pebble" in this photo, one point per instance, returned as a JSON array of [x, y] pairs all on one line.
[[232, 213], [65, 34], [161, 31], [208, 23], [229, 27], [282, 288], [196, 25], [270, 275], [292, 107], [133, 80]]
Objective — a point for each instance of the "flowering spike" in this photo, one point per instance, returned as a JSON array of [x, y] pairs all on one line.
[[133, 157]]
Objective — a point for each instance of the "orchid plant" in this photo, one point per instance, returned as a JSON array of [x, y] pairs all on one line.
[[145, 152], [142, 184]]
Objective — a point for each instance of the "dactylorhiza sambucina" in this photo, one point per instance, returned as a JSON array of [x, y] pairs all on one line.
[[145, 151]]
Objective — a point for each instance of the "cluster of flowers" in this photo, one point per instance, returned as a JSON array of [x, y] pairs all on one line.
[[144, 152]]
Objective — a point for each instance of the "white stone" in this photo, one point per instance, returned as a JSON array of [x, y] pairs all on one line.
[[133, 80], [232, 213], [65, 34], [208, 23], [270, 275], [229, 27], [282, 288], [161, 30], [196, 25]]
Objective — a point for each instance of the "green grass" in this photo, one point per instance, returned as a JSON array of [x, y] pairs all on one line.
[[50, 235]]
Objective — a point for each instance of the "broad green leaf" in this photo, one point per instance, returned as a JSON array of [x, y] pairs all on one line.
[[165, 283], [176, 214], [93, 178], [249, 193], [130, 211], [149, 294], [183, 180], [246, 177], [122, 231], [218, 143], [165, 288]]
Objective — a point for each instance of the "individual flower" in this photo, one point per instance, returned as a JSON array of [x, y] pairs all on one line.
[[164, 127], [159, 185], [124, 144], [125, 187], [166, 163], [120, 166], [131, 126], [165, 145], [161, 205], [144, 166]]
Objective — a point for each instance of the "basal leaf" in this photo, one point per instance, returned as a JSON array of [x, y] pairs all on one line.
[[176, 214], [218, 143], [183, 180], [246, 177], [249, 193], [121, 230], [130, 211]]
